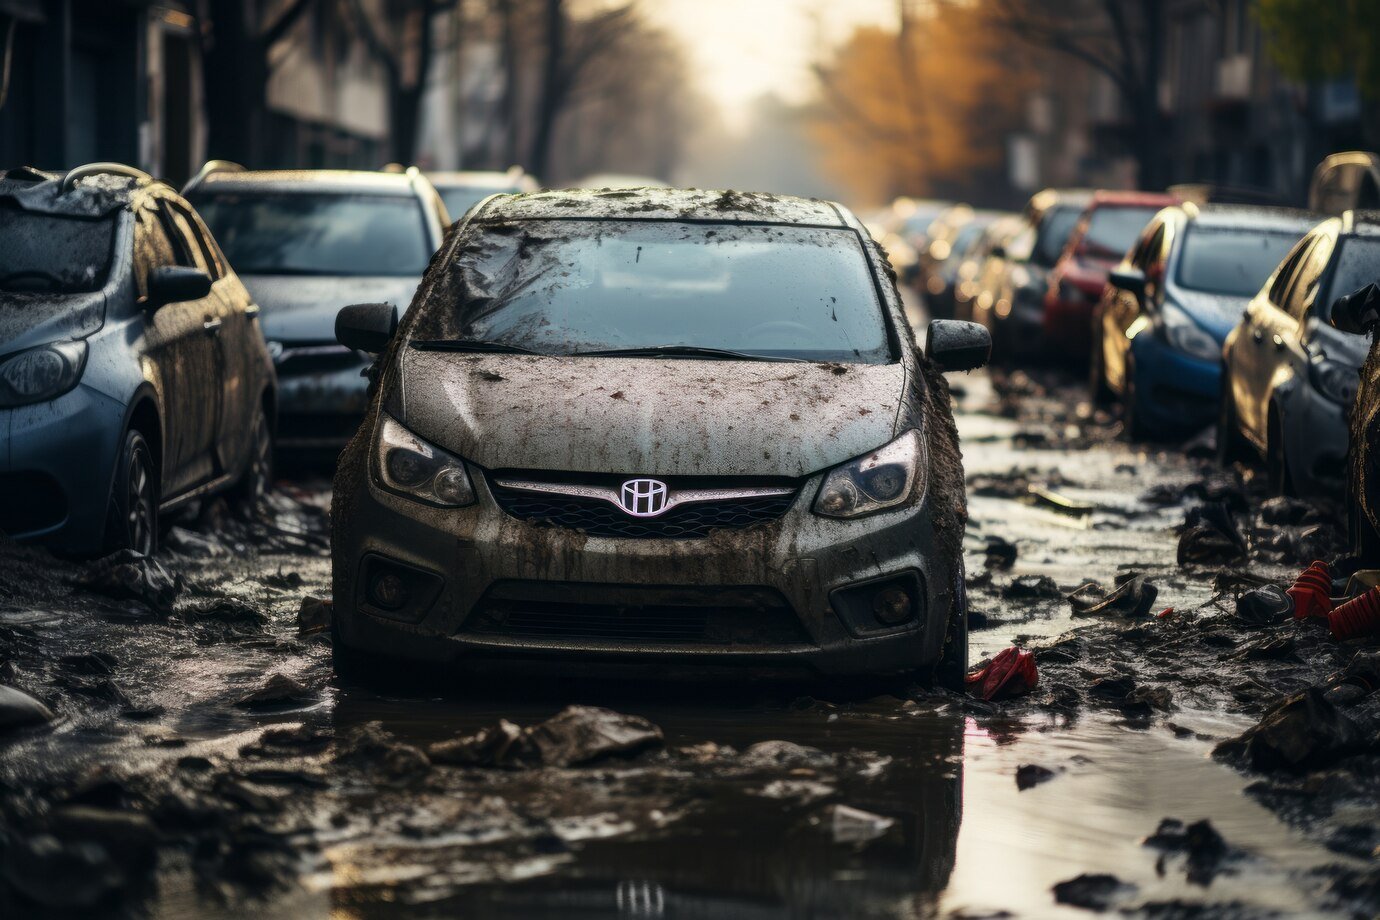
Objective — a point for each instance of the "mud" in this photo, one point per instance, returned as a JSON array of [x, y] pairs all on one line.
[[195, 756]]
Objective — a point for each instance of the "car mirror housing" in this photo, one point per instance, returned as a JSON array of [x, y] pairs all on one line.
[[176, 284], [1131, 280], [954, 345], [1357, 312], [366, 327]]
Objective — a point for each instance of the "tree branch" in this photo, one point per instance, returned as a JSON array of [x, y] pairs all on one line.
[[275, 31]]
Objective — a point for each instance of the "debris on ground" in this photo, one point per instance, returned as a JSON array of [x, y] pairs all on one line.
[[278, 690], [1204, 850], [313, 616], [1133, 596], [1093, 892], [1048, 498], [1031, 587], [1030, 775], [1312, 591], [1211, 537], [1358, 617], [1304, 731], [853, 825], [1011, 673], [1267, 605], [130, 575], [575, 736], [19, 710], [1000, 553]]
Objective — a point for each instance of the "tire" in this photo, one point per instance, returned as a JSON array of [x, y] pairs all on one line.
[[1098, 392], [952, 668], [1276, 462], [257, 477], [1130, 401], [1229, 447], [354, 666], [134, 497]]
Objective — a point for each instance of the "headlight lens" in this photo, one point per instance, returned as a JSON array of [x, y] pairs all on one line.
[[406, 464], [1184, 335], [42, 373], [885, 478], [1335, 380]]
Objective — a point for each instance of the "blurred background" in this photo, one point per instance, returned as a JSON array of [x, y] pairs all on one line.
[[978, 100]]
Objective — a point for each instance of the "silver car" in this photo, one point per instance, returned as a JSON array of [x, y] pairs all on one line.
[[623, 429], [1289, 377], [303, 241]]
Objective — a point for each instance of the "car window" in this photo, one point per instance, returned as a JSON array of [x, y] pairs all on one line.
[[460, 198], [201, 237], [185, 245], [1113, 230], [54, 254], [152, 247], [1355, 264], [561, 287], [1306, 278], [1285, 273], [1229, 260], [318, 233], [1053, 233]]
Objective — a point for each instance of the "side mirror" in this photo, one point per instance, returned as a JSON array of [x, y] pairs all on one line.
[[954, 345], [1131, 280], [176, 284], [1357, 312], [366, 327]]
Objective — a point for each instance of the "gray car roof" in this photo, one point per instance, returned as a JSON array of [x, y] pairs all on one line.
[[94, 195], [311, 180], [1256, 217], [664, 204]]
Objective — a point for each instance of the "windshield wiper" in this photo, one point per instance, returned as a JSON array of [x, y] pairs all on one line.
[[474, 345], [680, 351]]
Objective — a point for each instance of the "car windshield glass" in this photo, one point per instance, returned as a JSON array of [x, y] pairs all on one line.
[[1356, 265], [54, 254], [1114, 230], [1055, 229], [310, 233], [1231, 262], [460, 199], [561, 287]]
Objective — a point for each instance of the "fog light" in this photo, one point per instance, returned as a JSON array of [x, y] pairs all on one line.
[[892, 606], [388, 591]]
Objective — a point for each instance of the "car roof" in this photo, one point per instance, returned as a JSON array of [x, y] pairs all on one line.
[[1254, 217], [664, 204], [359, 181], [87, 191]]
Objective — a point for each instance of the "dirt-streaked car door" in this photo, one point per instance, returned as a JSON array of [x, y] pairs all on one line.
[[1253, 350]]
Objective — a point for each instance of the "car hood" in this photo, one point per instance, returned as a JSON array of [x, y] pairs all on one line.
[[1218, 314], [302, 308], [659, 417], [27, 320]]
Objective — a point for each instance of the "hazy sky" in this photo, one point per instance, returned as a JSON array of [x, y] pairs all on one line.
[[741, 49]]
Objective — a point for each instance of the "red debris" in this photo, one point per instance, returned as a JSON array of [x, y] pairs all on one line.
[[1358, 617], [1166, 612], [1312, 592], [1011, 673]]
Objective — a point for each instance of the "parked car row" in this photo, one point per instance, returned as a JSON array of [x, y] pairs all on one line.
[[1249, 317]]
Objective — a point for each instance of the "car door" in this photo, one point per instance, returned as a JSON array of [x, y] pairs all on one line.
[[192, 328], [1255, 354], [1126, 307], [1288, 338]]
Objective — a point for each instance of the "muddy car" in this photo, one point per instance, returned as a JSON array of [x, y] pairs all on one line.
[[133, 375], [305, 241], [621, 430]]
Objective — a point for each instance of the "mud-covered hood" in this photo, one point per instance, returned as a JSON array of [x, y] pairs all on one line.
[[299, 308], [27, 320], [665, 417]]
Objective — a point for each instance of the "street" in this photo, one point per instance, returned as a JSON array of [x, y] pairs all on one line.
[[299, 797]]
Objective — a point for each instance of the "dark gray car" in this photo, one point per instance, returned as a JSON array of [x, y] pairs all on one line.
[[133, 376], [305, 241], [622, 427]]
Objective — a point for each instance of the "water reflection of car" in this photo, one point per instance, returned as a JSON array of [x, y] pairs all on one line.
[[463, 190], [1289, 376], [1158, 332], [304, 241], [1358, 313], [661, 428], [133, 376], [1104, 233]]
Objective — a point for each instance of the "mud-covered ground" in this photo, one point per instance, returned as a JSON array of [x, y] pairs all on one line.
[[201, 760]]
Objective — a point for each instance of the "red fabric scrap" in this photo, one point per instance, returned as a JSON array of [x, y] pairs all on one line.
[[1358, 617], [1312, 592], [1011, 673]]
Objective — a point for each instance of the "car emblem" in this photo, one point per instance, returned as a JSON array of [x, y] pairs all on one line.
[[643, 497]]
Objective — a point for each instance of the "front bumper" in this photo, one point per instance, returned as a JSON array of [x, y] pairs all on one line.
[[1175, 393], [322, 397], [57, 460], [773, 597]]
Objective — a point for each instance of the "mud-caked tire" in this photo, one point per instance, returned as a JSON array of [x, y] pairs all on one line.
[[132, 522], [952, 668], [257, 477]]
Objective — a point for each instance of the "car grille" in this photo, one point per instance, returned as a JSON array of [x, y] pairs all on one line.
[[599, 518], [296, 361], [545, 611]]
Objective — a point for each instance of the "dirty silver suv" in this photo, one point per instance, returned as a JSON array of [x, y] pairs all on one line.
[[636, 430]]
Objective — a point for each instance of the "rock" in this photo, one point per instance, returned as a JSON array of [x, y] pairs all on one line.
[[1302, 732], [237, 615], [1144, 698], [783, 754], [581, 734], [370, 747], [1000, 553], [314, 616], [1264, 606], [1030, 775], [1113, 688], [1031, 587], [1094, 892], [1211, 537], [130, 575], [278, 690], [285, 581], [853, 825], [18, 709], [48, 872], [498, 745]]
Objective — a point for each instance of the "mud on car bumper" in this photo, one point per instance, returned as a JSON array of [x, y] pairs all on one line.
[[793, 596]]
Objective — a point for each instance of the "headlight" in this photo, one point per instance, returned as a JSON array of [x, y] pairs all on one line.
[[406, 464], [1184, 335], [885, 478], [40, 374], [1333, 379]]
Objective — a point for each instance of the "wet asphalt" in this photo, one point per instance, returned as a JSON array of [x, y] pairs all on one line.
[[883, 802]]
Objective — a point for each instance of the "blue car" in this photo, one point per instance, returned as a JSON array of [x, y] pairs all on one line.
[[133, 375], [1159, 328]]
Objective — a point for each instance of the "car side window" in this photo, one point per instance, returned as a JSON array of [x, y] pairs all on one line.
[[184, 243], [1285, 273], [201, 238], [152, 247], [1139, 253], [1305, 284]]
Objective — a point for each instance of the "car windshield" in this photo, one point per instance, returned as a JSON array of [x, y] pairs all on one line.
[[54, 254], [317, 233], [461, 198], [1229, 261], [1356, 264], [564, 287], [1055, 229], [1113, 230]]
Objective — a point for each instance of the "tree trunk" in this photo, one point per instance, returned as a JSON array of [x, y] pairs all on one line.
[[408, 91], [552, 91], [235, 76], [1149, 128]]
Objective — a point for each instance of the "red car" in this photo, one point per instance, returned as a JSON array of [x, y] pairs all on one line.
[[1110, 225]]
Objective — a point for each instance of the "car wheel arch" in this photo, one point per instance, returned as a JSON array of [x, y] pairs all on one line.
[[144, 416]]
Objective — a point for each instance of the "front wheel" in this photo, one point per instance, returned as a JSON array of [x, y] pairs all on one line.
[[1276, 461], [1098, 391], [1229, 449], [952, 670], [133, 520], [1130, 405]]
